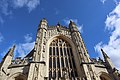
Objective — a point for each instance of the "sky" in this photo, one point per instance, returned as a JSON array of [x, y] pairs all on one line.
[[98, 22]]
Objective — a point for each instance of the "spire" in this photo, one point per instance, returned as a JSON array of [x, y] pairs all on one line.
[[8, 57], [104, 54], [10, 52], [72, 23]]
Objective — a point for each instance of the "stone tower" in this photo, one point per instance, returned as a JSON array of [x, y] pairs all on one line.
[[59, 53]]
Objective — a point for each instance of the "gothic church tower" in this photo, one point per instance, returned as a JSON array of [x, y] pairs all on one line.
[[59, 53]]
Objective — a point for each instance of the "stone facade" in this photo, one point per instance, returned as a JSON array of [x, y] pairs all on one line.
[[59, 53]]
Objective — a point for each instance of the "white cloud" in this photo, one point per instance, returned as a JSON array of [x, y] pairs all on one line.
[[28, 38], [115, 1], [23, 48], [112, 48], [33, 4], [67, 21], [1, 37], [30, 4], [19, 3], [6, 6], [103, 1]]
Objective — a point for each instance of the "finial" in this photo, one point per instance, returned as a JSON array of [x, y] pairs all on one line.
[[58, 24], [14, 46], [71, 23], [12, 50]]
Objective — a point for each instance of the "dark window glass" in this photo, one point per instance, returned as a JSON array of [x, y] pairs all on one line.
[[66, 62], [76, 73], [54, 62], [65, 51], [45, 35], [62, 63], [50, 74], [71, 52], [61, 53], [70, 63], [58, 73], [57, 52], [50, 51], [58, 63], [72, 73], [50, 62], [54, 75], [73, 63], [54, 51]]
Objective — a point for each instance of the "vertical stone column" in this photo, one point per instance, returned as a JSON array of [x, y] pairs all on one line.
[[82, 52], [37, 67]]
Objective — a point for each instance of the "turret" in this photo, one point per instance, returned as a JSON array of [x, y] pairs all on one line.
[[81, 50], [39, 54], [40, 40], [7, 60], [73, 27], [43, 23]]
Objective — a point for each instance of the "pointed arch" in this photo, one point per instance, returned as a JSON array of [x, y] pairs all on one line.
[[104, 76], [17, 76], [66, 42]]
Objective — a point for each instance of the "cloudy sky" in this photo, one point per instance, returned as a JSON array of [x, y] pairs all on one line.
[[97, 20]]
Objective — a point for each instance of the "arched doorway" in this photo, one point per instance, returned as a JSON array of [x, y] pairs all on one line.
[[61, 60]]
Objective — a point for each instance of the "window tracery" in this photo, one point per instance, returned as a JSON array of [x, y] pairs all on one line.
[[61, 60]]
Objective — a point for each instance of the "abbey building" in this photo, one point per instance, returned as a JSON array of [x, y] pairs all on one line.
[[59, 53]]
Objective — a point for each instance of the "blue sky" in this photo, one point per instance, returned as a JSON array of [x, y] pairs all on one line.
[[97, 20]]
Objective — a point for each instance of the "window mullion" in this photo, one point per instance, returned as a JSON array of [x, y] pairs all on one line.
[[59, 57], [52, 60], [69, 69], [63, 56], [56, 60]]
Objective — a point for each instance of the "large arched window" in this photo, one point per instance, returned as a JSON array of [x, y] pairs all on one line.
[[61, 60]]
